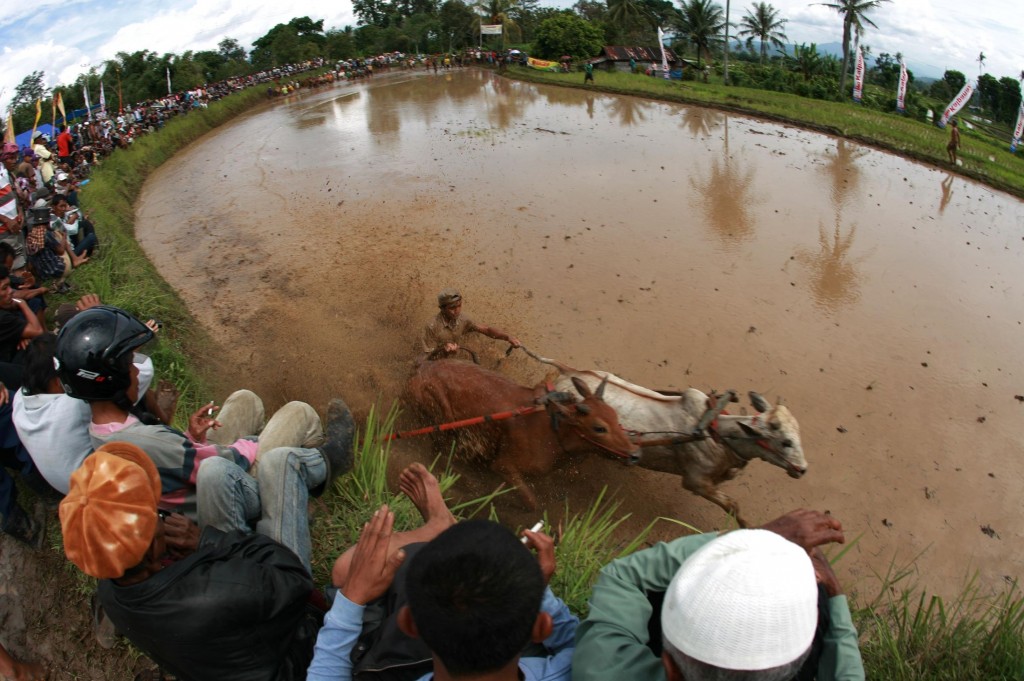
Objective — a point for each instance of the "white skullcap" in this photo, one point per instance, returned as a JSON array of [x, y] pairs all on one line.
[[747, 600]]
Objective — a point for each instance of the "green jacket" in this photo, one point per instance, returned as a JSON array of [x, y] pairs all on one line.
[[612, 642]]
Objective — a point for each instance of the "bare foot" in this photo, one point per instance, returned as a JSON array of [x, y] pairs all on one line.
[[419, 484]]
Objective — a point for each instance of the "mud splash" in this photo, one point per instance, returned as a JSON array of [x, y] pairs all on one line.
[[673, 246]]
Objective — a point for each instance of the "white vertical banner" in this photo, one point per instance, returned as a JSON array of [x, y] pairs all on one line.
[[103, 103], [85, 93], [858, 76], [1018, 129], [664, 57], [168, 80], [958, 103], [901, 92]]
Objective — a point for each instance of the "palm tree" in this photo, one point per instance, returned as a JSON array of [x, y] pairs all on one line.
[[853, 13], [632, 17], [701, 22], [762, 22], [806, 60], [626, 14], [498, 12]]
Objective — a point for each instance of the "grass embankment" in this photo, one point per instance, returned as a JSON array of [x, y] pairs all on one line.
[[985, 159], [905, 634]]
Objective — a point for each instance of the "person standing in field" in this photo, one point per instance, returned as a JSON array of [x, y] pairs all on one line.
[[954, 141], [589, 74]]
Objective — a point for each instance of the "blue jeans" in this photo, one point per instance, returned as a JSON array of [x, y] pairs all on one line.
[[86, 245], [276, 499]]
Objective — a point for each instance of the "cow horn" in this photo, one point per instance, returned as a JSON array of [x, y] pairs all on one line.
[[760, 404], [583, 409], [581, 387], [599, 393]]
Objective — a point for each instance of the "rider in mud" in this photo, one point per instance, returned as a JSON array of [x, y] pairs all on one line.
[[445, 333]]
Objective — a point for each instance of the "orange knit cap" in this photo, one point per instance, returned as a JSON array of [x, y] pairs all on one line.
[[109, 515]]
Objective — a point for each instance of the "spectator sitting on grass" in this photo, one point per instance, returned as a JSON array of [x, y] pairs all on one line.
[[75, 225], [462, 606], [54, 426], [94, 353], [742, 605], [23, 281], [215, 601]]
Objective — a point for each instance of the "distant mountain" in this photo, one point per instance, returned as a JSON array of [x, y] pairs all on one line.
[[921, 70]]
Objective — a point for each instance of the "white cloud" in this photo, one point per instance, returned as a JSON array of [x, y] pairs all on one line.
[[63, 37]]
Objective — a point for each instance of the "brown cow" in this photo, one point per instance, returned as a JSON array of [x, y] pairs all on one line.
[[450, 390]]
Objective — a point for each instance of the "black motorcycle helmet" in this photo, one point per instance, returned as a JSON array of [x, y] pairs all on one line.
[[94, 353]]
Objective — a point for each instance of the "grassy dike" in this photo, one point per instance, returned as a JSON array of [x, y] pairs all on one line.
[[905, 633], [985, 159]]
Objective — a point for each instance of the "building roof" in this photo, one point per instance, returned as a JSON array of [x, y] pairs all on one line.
[[625, 53]]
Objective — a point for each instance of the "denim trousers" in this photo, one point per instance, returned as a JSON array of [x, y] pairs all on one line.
[[276, 499], [273, 495], [296, 424]]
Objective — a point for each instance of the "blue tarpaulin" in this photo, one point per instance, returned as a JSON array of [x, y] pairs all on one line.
[[23, 139]]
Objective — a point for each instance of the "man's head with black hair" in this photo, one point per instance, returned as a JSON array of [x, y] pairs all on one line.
[[474, 598], [39, 370], [7, 254]]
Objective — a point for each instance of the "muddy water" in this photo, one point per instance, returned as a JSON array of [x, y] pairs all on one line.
[[673, 246]]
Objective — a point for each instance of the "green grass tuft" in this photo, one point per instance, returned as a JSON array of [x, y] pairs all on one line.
[[907, 634]]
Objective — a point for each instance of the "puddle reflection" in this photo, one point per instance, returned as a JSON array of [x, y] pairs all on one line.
[[726, 193]]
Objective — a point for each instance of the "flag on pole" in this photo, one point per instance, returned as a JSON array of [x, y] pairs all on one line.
[[168, 80], [1018, 129], [490, 29], [85, 94], [9, 132], [858, 77], [60, 107], [53, 111], [958, 103], [35, 124], [664, 58], [103, 103], [901, 92]]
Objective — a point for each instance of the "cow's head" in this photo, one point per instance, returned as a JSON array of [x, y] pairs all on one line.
[[772, 434], [592, 424]]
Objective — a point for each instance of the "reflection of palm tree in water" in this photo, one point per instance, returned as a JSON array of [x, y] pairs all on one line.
[[843, 171], [507, 101], [701, 122], [725, 196], [629, 110], [947, 193], [590, 106], [835, 280]]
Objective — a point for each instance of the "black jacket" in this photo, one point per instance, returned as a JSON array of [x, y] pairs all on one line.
[[235, 610]]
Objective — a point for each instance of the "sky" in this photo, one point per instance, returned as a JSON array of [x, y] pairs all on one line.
[[64, 37]]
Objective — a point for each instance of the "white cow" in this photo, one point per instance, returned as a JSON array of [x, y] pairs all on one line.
[[772, 433]]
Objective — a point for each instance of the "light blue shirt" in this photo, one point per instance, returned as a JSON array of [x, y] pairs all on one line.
[[332, 659]]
